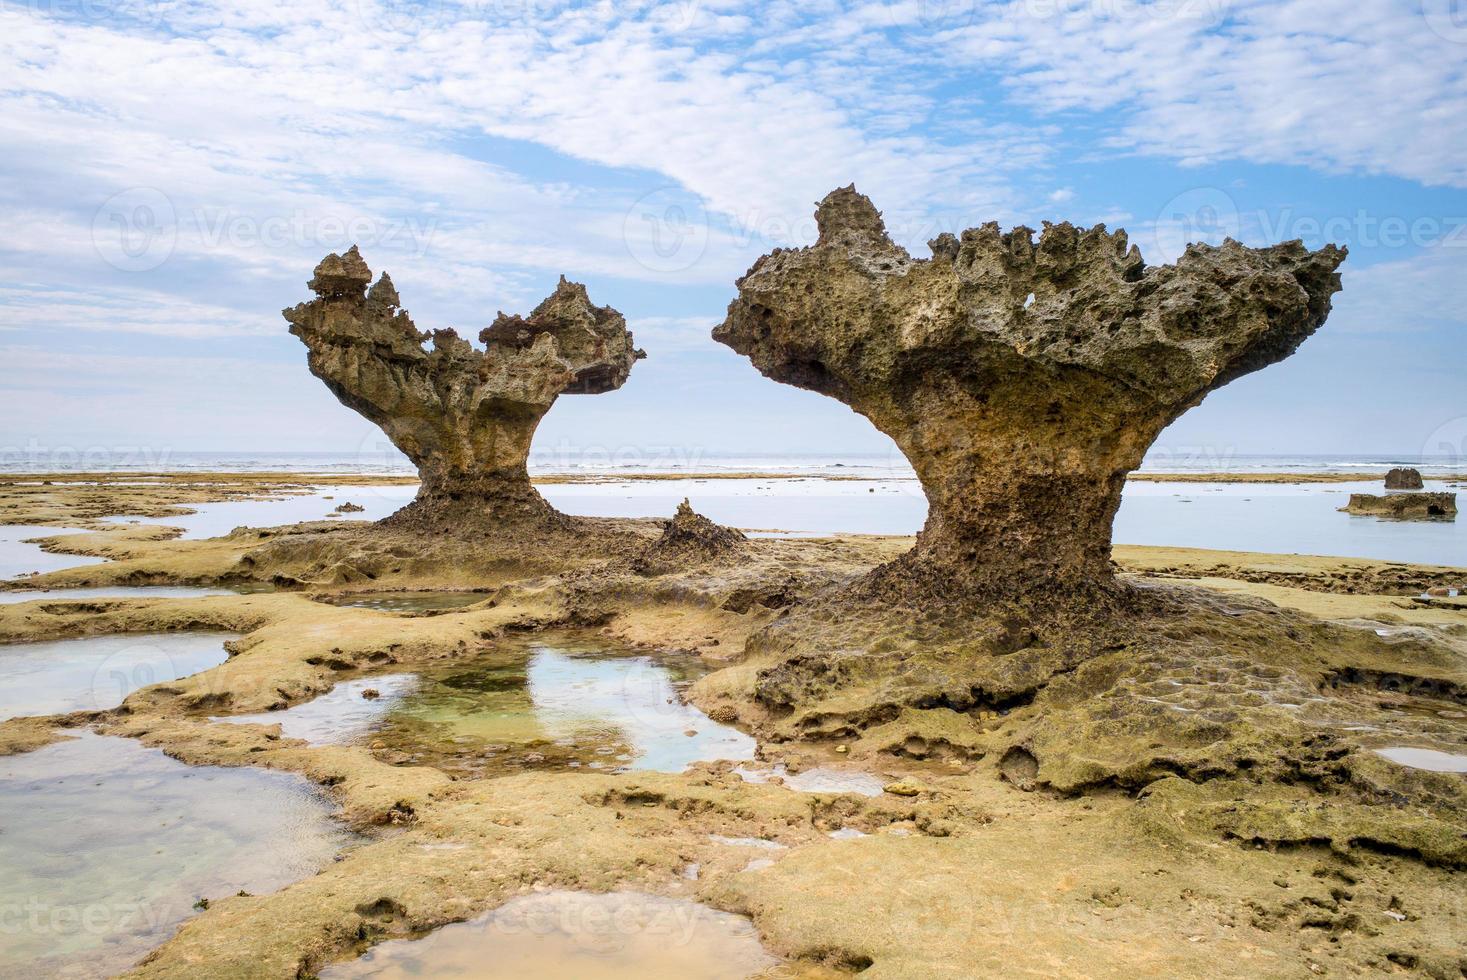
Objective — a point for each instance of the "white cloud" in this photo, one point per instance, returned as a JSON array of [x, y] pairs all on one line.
[[57, 311], [1361, 87]]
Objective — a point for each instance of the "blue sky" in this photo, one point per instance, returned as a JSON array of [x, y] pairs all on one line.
[[173, 171]]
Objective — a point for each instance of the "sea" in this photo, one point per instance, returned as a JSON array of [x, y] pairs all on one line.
[[860, 494], [382, 459]]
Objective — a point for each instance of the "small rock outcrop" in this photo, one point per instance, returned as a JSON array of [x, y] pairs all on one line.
[[1403, 478], [464, 416], [1023, 379], [1404, 506], [689, 538]]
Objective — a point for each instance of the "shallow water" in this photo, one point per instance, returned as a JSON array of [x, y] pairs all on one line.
[[404, 601], [1428, 759], [525, 707], [212, 520], [820, 779], [564, 935], [105, 846], [18, 557], [1283, 518], [112, 592], [98, 672], [339, 717], [557, 708]]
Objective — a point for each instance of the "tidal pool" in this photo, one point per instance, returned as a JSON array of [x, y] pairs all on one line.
[[341, 716], [19, 556], [112, 592], [564, 935], [524, 706], [820, 779], [1285, 518], [1428, 759], [98, 672], [105, 846], [212, 520], [404, 601]]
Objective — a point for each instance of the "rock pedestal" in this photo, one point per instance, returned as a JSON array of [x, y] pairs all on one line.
[[1022, 378], [464, 416]]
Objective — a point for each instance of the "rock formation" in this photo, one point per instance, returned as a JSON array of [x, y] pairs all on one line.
[[465, 417], [689, 538], [1403, 478], [1022, 379], [1404, 506]]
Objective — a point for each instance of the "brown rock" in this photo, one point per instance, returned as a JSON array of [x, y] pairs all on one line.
[[1404, 506], [687, 539], [724, 714], [464, 416], [1403, 478], [1022, 379]]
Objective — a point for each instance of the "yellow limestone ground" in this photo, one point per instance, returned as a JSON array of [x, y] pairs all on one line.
[[964, 872]]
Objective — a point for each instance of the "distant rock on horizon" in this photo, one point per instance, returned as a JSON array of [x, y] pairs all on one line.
[[1403, 478]]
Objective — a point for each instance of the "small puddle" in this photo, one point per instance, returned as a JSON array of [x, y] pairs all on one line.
[[563, 935], [98, 672], [525, 708], [348, 712], [18, 556], [1428, 759], [112, 592], [107, 845], [404, 601], [821, 779]]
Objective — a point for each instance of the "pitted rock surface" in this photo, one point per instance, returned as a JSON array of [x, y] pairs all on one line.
[[1023, 379], [464, 416]]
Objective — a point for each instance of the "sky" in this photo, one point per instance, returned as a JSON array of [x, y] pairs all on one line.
[[171, 172]]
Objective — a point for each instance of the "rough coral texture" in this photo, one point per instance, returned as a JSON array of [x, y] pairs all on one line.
[[1403, 478], [1404, 506], [1023, 379], [691, 537], [464, 416]]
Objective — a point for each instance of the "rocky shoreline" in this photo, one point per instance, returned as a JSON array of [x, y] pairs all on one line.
[[1055, 757], [1166, 834]]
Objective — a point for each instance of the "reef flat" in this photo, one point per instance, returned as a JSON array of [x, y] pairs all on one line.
[[1223, 812], [1003, 747]]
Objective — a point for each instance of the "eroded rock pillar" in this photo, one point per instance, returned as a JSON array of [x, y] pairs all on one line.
[[1023, 379], [464, 416]]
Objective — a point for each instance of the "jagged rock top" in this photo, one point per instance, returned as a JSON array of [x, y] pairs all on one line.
[[591, 342], [1074, 299], [465, 416]]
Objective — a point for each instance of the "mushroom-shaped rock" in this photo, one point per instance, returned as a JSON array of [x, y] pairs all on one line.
[[464, 416], [1023, 379]]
